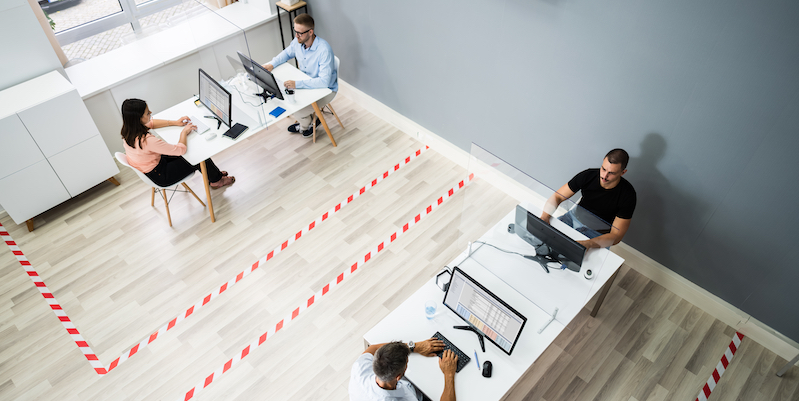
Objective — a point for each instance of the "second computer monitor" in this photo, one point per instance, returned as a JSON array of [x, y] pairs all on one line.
[[261, 76], [483, 310], [535, 231], [215, 98]]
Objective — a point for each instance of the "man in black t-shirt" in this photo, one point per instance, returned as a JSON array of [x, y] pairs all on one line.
[[605, 194]]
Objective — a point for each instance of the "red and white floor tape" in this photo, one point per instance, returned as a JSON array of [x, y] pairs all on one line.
[[721, 367], [92, 357], [199, 304], [323, 291], [54, 305]]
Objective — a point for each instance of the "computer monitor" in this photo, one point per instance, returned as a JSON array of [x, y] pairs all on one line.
[[262, 77], [215, 98], [481, 309], [559, 246]]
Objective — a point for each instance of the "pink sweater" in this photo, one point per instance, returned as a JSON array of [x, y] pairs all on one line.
[[146, 158]]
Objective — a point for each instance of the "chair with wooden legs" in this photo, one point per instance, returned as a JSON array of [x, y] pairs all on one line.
[[328, 106], [123, 159]]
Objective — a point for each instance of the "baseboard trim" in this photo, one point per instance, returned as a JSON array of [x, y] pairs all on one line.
[[713, 305], [404, 124]]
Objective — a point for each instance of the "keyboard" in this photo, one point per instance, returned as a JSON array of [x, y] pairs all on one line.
[[198, 122], [463, 359]]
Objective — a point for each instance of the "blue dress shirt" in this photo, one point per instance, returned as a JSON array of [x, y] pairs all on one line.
[[317, 62]]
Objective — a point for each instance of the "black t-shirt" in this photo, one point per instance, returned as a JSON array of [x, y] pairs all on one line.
[[608, 204]]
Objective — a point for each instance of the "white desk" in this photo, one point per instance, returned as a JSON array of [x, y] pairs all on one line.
[[408, 322], [255, 118], [563, 289]]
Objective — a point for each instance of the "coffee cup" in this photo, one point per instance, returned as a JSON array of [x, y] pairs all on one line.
[[289, 95]]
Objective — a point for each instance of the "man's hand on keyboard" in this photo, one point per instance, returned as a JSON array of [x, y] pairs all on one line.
[[448, 363], [429, 347]]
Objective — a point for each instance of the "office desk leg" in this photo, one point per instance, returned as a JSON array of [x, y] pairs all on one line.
[[604, 292], [784, 369], [324, 123], [207, 190], [113, 181], [29, 223], [280, 26]]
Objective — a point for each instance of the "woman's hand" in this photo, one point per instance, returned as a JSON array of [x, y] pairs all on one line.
[[188, 128], [184, 118]]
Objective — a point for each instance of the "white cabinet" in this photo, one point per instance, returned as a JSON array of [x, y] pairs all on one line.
[[31, 191], [17, 147], [50, 147], [59, 123]]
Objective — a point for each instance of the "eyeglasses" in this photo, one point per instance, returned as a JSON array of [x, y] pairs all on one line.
[[301, 33]]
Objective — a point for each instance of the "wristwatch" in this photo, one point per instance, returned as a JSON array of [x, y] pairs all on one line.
[[411, 345]]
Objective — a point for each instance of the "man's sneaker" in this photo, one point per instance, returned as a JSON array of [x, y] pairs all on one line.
[[307, 133], [294, 128]]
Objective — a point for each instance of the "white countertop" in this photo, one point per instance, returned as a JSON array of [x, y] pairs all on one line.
[[120, 65]]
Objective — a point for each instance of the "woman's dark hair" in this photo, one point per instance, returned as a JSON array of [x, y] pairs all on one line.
[[132, 128]]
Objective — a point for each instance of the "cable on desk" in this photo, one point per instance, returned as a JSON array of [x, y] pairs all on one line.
[[253, 105], [500, 249], [541, 259]]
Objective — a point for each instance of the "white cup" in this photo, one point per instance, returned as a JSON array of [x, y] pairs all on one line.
[[288, 94]]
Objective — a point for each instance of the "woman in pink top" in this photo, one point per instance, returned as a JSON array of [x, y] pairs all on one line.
[[161, 162]]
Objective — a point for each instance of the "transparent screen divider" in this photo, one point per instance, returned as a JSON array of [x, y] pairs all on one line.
[[508, 245], [219, 42]]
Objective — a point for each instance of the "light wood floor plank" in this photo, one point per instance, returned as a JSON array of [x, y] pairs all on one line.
[[121, 272]]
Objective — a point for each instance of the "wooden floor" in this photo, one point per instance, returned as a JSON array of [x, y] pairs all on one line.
[[120, 272]]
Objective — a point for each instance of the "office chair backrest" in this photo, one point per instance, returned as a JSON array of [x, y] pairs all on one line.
[[123, 159]]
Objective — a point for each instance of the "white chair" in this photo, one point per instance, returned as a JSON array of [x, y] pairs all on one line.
[[123, 159], [328, 106]]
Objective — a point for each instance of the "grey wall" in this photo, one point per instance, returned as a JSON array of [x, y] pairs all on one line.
[[703, 94]]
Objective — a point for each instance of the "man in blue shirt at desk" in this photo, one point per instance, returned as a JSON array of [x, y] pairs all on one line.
[[315, 58]]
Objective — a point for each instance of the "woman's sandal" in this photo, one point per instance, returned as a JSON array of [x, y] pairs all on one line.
[[225, 181]]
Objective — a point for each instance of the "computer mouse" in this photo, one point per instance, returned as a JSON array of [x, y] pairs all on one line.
[[487, 369]]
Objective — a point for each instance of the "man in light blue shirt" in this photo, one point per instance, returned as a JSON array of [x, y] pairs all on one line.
[[315, 58]]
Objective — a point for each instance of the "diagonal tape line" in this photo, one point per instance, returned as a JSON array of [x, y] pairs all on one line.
[[721, 367], [83, 345], [280, 248], [323, 291], [53, 303]]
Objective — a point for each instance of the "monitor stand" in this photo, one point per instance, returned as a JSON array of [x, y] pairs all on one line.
[[265, 95], [218, 120], [479, 334]]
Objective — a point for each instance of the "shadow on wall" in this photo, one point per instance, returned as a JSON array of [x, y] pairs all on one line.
[[667, 220], [339, 29]]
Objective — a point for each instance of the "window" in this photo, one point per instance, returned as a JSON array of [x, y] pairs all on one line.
[[87, 28]]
